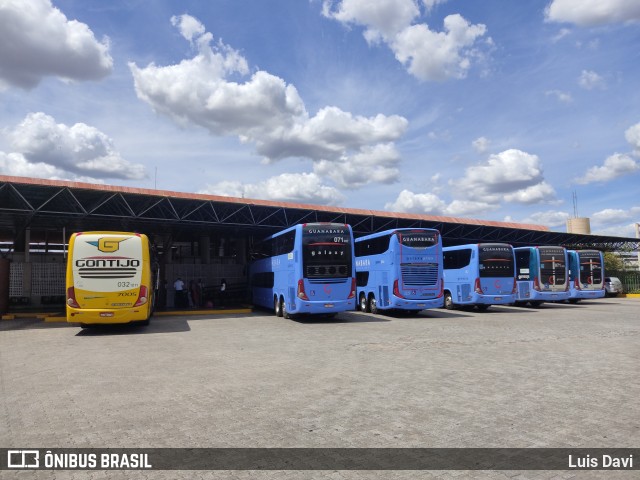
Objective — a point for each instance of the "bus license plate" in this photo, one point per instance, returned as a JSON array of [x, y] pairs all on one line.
[[497, 298], [422, 304], [106, 314], [328, 305]]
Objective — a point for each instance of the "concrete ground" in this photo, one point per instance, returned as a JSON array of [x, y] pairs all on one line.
[[557, 376]]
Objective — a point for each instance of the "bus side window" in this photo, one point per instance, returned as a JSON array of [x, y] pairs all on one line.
[[362, 279], [455, 259]]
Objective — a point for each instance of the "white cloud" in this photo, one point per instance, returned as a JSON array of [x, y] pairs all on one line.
[[263, 111], [431, 204], [37, 40], [56, 149], [512, 175], [466, 208], [614, 166], [289, 187], [382, 19], [614, 216], [15, 164], [371, 165], [561, 96], [189, 26], [633, 137], [427, 54], [587, 13], [539, 193], [550, 218], [481, 144], [430, 55], [408, 201], [590, 80]]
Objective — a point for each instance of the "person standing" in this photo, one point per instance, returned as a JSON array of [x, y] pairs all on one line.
[[179, 298]]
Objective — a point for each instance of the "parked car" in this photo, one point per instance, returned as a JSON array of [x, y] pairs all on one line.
[[612, 286]]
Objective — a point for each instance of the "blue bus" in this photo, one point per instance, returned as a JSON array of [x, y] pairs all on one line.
[[542, 275], [399, 269], [307, 268], [480, 274], [586, 274]]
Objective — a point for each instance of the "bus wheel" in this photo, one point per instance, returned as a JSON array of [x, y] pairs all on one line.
[[373, 305], [277, 307], [483, 308], [574, 300], [536, 304], [364, 306], [448, 302], [283, 309]]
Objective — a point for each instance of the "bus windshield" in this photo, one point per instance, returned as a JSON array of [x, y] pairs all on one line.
[[495, 261], [552, 265], [326, 251], [590, 268], [418, 239]]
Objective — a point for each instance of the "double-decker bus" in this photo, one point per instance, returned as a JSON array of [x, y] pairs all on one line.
[[307, 268], [542, 275], [479, 275], [399, 269], [109, 279], [586, 274]]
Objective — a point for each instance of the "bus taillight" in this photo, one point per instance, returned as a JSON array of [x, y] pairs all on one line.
[[478, 287], [396, 289], [576, 283], [441, 293], [71, 298], [536, 284], [352, 293], [302, 295], [515, 287], [142, 297]]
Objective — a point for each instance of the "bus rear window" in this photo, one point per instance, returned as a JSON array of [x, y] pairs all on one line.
[[417, 240], [495, 261], [326, 251], [552, 265], [590, 267]]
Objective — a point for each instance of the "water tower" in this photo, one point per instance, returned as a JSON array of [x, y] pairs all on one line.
[[578, 224]]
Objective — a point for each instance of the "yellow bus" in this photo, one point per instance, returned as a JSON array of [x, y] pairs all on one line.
[[110, 278]]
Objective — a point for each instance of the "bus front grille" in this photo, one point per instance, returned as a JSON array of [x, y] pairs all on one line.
[[419, 274]]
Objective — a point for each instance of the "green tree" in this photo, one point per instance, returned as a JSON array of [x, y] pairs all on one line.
[[612, 262]]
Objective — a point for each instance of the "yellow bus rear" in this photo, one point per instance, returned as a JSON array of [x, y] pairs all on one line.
[[109, 278]]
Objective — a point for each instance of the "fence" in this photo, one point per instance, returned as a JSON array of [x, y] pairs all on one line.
[[630, 280]]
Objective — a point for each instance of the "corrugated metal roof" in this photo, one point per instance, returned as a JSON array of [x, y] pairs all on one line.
[[268, 203]]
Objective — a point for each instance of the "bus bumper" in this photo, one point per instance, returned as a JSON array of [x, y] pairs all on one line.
[[486, 299], [322, 307], [537, 296], [409, 304], [106, 316], [585, 294]]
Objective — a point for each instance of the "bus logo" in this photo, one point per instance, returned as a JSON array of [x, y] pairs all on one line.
[[108, 244]]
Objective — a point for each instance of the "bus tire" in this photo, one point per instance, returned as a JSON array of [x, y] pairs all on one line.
[[536, 303], [483, 307], [373, 304], [283, 309], [364, 305], [448, 301], [144, 323], [277, 307]]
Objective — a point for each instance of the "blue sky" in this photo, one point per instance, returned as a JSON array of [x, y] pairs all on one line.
[[496, 110]]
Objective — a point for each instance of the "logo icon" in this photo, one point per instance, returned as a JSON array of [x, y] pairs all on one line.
[[23, 458], [108, 244]]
